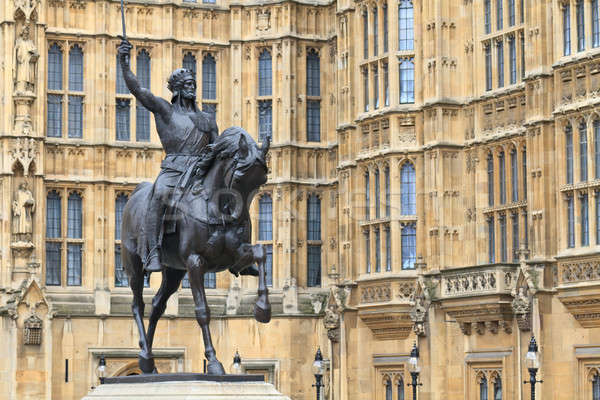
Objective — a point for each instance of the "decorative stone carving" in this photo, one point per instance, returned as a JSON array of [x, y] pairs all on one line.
[[32, 330], [290, 296], [418, 315], [336, 305], [25, 150], [521, 306], [23, 207], [27, 7], [376, 293], [263, 20], [469, 283], [317, 301]]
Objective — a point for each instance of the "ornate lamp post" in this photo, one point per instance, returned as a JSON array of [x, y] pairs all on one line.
[[101, 369], [318, 370], [236, 367], [414, 368], [533, 364]]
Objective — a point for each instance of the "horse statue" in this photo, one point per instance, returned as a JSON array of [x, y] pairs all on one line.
[[210, 232]]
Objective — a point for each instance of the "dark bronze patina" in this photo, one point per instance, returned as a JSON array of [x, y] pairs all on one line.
[[195, 217]]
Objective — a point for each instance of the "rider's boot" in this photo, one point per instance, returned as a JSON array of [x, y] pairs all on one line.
[[154, 217]]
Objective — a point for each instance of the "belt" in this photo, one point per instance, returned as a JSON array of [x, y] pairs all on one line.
[[179, 162]]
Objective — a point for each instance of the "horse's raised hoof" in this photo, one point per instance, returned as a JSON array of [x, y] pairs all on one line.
[[147, 364], [262, 311], [215, 368]]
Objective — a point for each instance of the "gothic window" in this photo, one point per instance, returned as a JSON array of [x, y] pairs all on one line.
[[375, 87], [408, 183], [499, 14], [487, 16], [74, 231], [524, 157], [583, 169], [385, 28], [209, 78], [407, 81], [500, 59], [515, 236], [595, 24], [314, 241], [368, 251], [388, 390], [377, 250], [55, 67], [596, 387], [75, 105], [265, 120], [76, 69], [142, 118], [123, 119], [121, 85], [566, 29], [490, 179], [54, 115], [512, 49], [189, 63], [53, 233], [406, 33], [265, 218], [377, 195], [503, 252], [498, 389], [514, 176], [265, 79], [580, 26], [491, 240], [409, 246], [502, 177], [488, 67], [313, 121], [569, 153], [367, 196], [75, 116], [366, 88], [375, 31], [388, 249], [483, 388], [597, 149], [388, 201], [365, 17], [511, 12], [120, 275], [585, 224], [526, 239], [386, 85], [313, 74], [522, 36], [570, 222]]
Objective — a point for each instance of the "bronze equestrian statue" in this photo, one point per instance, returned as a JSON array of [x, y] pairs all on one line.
[[195, 217]]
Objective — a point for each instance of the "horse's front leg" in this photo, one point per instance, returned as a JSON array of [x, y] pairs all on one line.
[[196, 268], [262, 308]]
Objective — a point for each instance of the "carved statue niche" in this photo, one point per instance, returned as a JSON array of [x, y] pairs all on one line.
[[26, 55], [23, 207]]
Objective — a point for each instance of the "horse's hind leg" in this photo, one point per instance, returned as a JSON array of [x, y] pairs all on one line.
[[171, 278], [262, 307], [135, 270], [196, 268]]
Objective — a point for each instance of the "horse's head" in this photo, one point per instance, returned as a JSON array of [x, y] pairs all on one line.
[[241, 164]]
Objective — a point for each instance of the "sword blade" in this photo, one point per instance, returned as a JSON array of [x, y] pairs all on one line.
[[123, 20]]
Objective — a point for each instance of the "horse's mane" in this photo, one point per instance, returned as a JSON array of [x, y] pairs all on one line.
[[227, 145]]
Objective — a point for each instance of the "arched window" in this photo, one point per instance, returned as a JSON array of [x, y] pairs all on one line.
[[367, 196], [498, 388], [585, 223], [503, 252], [54, 101], [189, 63], [365, 18], [569, 152], [53, 231], [265, 218], [596, 387], [74, 231], [409, 198], [313, 238], [120, 275], [385, 28], [583, 169], [388, 390], [377, 250], [388, 249], [121, 85], [76, 69], [265, 119], [406, 33], [502, 177], [313, 74], [514, 176], [209, 77], [491, 240], [407, 81], [388, 201], [490, 177], [483, 388], [142, 114], [377, 195], [524, 158], [409, 246], [500, 63], [368, 250], [570, 222], [566, 29], [400, 388], [375, 31], [265, 78], [55, 67]]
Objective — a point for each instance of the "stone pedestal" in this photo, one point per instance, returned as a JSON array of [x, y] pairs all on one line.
[[188, 390]]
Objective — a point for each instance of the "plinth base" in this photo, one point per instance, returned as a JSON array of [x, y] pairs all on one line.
[[188, 390]]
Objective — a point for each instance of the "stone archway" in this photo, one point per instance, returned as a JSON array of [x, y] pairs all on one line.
[[128, 369]]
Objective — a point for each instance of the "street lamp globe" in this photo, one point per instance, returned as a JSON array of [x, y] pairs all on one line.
[[236, 367], [101, 369], [413, 361], [317, 367], [532, 360]]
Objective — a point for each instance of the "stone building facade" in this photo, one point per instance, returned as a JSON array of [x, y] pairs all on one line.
[[434, 179]]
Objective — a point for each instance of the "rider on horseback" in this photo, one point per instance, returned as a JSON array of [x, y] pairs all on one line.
[[186, 134]]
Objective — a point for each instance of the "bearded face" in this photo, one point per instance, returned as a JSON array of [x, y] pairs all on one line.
[[188, 90]]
